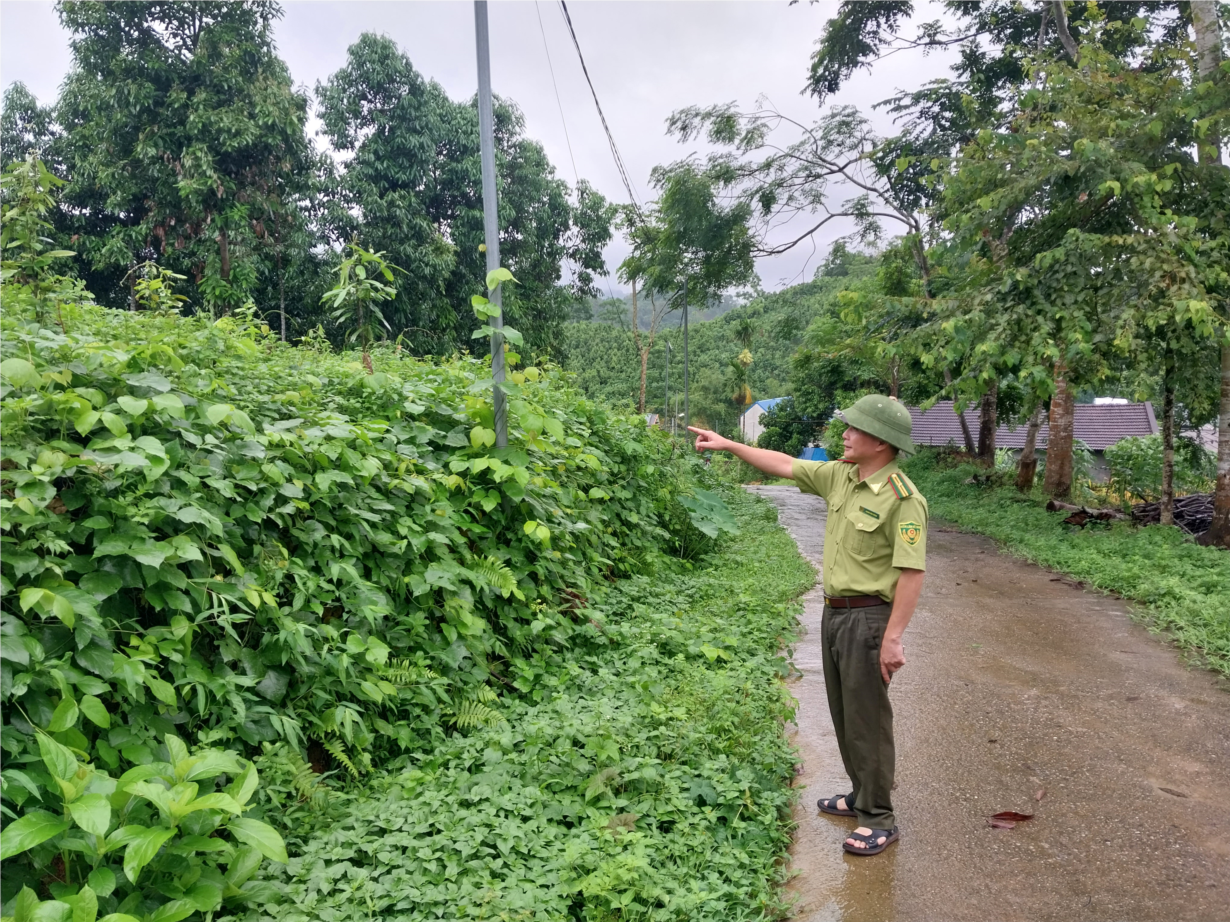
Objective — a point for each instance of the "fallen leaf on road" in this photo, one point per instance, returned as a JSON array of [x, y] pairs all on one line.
[[1013, 816], [1172, 792], [1041, 793], [1001, 824]]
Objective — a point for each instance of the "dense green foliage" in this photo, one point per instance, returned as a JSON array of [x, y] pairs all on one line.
[[605, 361], [183, 140], [212, 535], [1185, 588], [411, 185], [645, 779], [1136, 468]]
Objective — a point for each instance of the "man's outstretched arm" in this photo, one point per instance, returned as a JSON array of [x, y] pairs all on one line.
[[773, 463]]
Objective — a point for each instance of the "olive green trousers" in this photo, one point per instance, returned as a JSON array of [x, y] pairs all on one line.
[[859, 705]]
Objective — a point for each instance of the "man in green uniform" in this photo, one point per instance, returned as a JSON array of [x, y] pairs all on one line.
[[875, 545]]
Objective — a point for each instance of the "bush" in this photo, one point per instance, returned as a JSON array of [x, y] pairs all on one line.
[[1136, 468], [210, 534]]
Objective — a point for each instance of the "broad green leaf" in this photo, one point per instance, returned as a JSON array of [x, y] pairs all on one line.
[[96, 711], [92, 812], [101, 584], [65, 715], [86, 421], [28, 831], [173, 911], [19, 373], [171, 404], [119, 917], [150, 379], [62, 608], [115, 424], [58, 758], [102, 881], [210, 764], [85, 905], [164, 691], [177, 751], [32, 596], [498, 275], [261, 836], [134, 405], [142, 849], [214, 802], [218, 412], [243, 787], [25, 904]]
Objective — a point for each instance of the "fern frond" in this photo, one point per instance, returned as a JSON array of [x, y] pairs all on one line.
[[494, 575], [402, 672], [486, 695], [338, 750], [474, 714]]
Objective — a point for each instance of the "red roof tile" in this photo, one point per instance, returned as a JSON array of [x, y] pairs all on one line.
[[1098, 426]]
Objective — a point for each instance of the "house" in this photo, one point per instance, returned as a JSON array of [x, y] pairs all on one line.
[[1098, 425], [749, 422]]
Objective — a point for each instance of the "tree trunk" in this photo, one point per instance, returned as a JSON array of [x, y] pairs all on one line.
[[1058, 480], [1166, 512], [224, 256], [987, 421], [1208, 58], [1218, 534], [277, 230], [1029, 458], [969, 436], [895, 373], [1069, 46]]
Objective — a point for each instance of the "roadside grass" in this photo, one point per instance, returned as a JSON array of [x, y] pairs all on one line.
[[1184, 588], [643, 776]]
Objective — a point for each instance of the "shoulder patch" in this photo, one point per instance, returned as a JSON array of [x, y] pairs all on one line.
[[900, 486], [910, 532]]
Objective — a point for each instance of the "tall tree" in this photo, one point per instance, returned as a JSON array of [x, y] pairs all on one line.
[[1210, 35], [182, 129], [411, 186]]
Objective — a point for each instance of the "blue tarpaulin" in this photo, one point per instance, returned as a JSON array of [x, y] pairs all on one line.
[[814, 453]]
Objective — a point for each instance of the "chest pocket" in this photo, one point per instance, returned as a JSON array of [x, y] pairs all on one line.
[[864, 534]]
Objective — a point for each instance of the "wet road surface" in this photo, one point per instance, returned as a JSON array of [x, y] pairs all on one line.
[[1017, 682]]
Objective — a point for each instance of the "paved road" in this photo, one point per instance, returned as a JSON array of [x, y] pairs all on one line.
[[1015, 683]]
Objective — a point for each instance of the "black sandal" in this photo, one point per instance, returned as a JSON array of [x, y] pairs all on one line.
[[829, 804], [874, 846]]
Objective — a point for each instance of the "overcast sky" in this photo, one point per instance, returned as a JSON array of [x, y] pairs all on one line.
[[646, 59]]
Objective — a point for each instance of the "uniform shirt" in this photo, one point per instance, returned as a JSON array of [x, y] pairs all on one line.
[[876, 527]]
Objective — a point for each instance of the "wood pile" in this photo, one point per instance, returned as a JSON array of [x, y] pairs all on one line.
[[1194, 513]]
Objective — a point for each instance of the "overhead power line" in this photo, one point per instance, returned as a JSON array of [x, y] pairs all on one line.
[[619, 162], [575, 173]]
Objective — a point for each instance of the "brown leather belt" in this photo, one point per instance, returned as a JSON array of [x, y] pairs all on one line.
[[853, 601]]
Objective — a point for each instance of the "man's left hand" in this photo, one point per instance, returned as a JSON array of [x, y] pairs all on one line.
[[892, 657]]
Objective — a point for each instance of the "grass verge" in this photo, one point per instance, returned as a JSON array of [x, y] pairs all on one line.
[[645, 776], [1185, 588]]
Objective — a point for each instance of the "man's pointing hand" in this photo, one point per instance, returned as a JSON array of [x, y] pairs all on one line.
[[708, 440]]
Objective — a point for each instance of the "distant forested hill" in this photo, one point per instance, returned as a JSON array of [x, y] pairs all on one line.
[[604, 357]]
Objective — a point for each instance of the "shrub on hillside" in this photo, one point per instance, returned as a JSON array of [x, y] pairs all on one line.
[[210, 534]]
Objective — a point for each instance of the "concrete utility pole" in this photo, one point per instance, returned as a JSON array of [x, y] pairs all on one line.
[[687, 416], [666, 404], [491, 226]]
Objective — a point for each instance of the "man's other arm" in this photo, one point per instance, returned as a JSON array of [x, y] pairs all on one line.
[[773, 463]]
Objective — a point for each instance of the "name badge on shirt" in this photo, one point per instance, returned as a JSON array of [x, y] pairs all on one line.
[[874, 515]]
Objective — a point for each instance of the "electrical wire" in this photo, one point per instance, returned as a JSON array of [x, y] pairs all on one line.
[[619, 162], [575, 173]]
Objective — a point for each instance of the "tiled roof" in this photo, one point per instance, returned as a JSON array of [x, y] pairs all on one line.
[[1099, 427]]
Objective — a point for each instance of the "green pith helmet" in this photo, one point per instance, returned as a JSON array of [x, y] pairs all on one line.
[[884, 418]]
